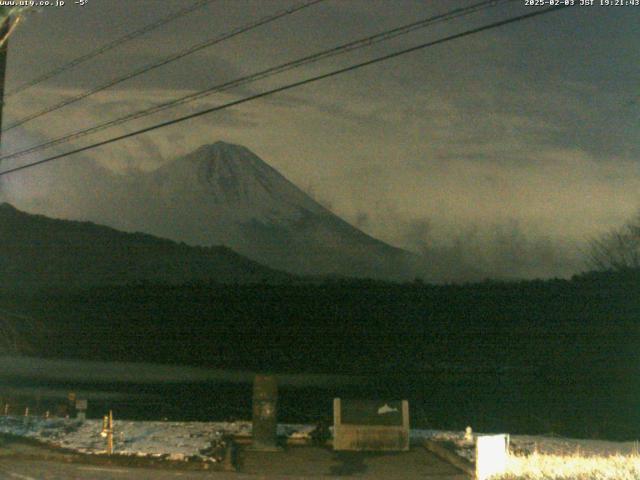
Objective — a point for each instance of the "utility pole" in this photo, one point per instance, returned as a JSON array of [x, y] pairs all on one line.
[[4, 33]]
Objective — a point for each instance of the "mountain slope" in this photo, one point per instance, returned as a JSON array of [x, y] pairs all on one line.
[[36, 251], [225, 194]]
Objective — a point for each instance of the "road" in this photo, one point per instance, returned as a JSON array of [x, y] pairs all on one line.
[[15, 469], [28, 462]]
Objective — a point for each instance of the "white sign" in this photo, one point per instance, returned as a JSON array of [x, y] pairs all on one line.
[[491, 455]]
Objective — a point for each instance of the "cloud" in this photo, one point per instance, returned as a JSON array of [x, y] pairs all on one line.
[[497, 251]]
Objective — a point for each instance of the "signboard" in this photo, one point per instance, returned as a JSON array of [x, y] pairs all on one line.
[[491, 455], [373, 425]]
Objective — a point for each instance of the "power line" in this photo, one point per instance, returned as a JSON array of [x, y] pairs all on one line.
[[110, 46], [291, 86], [165, 61], [344, 48]]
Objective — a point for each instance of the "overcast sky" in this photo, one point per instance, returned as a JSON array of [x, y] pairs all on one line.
[[522, 139]]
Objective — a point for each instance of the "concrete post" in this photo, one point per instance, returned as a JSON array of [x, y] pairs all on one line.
[[265, 413], [81, 409]]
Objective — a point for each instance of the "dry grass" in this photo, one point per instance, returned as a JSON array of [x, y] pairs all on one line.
[[538, 466]]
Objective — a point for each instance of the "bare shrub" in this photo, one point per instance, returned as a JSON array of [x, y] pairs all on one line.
[[618, 249]]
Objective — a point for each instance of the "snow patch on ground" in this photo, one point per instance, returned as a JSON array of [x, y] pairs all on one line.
[[174, 440], [179, 440]]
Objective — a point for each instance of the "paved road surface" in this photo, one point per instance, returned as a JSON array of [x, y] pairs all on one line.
[[52, 470], [291, 464]]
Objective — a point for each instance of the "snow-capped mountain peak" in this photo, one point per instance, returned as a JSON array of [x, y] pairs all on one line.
[[231, 177], [225, 194]]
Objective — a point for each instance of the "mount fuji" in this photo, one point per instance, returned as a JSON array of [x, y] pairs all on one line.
[[223, 194]]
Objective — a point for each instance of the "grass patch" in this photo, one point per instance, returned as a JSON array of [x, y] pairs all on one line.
[[537, 466]]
